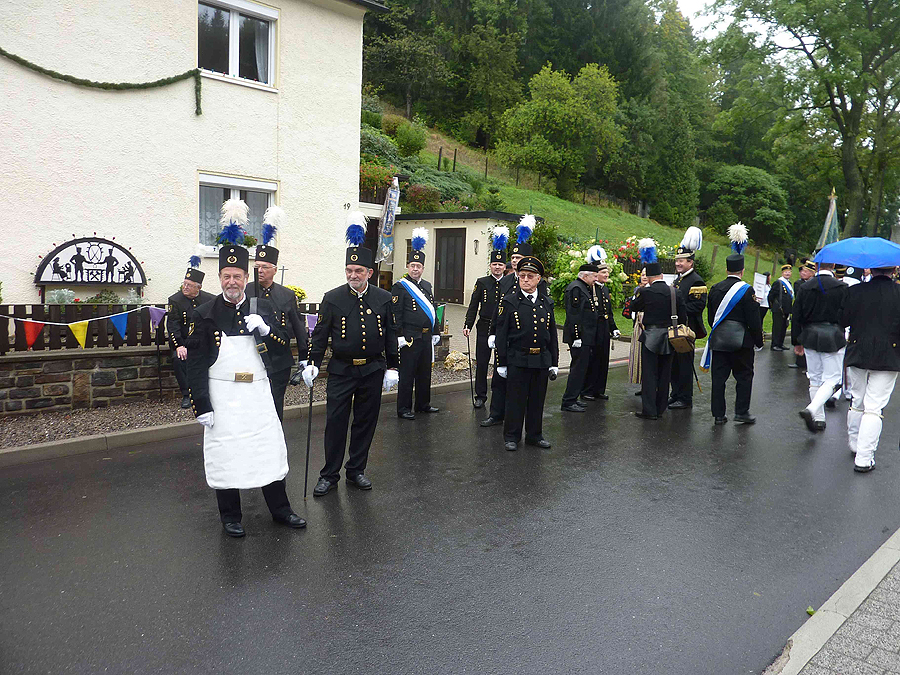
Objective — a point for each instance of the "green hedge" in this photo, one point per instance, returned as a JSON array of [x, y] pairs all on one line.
[[378, 147]]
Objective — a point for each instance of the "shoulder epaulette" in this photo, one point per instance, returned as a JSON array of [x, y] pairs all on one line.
[[698, 290]]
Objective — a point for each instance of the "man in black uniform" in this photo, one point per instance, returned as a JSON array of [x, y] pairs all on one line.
[[580, 333], [415, 320], [357, 318], [287, 314], [731, 342], [179, 309], [781, 300], [598, 369], [527, 354], [807, 271], [692, 290], [655, 301], [484, 303]]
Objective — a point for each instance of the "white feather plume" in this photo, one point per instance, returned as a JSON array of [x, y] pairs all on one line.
[[596, 254], [646, 242], [356, 218], [693, 239], [234, 211], [420, 232], [274, 216], [528, 220], [501, 231], [737, 233]]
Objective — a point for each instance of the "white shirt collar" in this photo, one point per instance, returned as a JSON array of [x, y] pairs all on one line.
[[531, 296], [496, 277], [735, 276], [828, 273], [360, 293]]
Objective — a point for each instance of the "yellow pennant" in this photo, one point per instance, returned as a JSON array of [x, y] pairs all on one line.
[[79, 330]]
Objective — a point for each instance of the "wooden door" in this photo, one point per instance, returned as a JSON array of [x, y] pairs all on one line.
[[450, 265]]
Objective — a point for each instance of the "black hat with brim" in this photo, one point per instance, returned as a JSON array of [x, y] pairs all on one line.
[[530, 264], [588, 267], [522, 249], [416, 256], [232, 255], [653, 269], [193, 274], [734, 263], [268, 254], [357, 255], [684, 253], [498, 256]]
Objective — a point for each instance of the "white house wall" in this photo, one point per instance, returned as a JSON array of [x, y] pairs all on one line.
[[126, 164]]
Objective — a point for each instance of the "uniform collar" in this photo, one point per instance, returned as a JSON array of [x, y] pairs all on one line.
[[827, 273], [228, 304], [354, 292]]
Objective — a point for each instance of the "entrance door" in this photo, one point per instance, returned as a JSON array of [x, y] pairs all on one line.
[[450, 265]]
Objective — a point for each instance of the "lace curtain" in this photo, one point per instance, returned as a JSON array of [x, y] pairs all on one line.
[[211, 199]]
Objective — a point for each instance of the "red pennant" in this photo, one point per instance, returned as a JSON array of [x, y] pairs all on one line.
[[32, 330]]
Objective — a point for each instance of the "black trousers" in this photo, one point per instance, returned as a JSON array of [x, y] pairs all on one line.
[[598, 370], [363, 393], [415, 369], [482, 361], [276, 499], [683, 377], [779, 327], [578, 372], [739, 364], [278, 382], [180, 368], [656, 371], [528, 387], [498, 394]]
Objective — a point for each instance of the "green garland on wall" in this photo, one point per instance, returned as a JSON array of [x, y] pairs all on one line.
[[120, 86]]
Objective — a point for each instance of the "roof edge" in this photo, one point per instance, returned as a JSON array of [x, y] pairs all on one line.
[[466, 215], [371, 5]]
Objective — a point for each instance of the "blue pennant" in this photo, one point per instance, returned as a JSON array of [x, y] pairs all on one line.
[[120, 321]]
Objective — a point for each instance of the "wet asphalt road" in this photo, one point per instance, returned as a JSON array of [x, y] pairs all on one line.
[[629, 547]]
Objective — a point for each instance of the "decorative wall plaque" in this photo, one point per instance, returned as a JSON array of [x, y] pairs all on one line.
[[90, 261]]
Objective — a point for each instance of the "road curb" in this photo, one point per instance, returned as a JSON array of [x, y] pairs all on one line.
[[118, 440], [806, 642]]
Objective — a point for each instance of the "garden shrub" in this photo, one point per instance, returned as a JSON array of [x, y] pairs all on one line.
[[390, 123], [377, 147], [423, 198], [410, 139], [373, 119], [450, 185]]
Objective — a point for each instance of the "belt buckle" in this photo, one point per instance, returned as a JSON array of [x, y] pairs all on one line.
[[243, 377], [359, 362], [426, 330], [534, 350]]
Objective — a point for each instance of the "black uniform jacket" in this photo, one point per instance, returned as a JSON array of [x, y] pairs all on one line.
[[287, 313], [362, 333], [655, 301], [817, 314], [742, 328], [780, 298], [410, 319], [526, 332], [484, 302], [581, 314], [510, 284], [872, 310], [178, 314], [692, 290], [208, 323], [606, 322]]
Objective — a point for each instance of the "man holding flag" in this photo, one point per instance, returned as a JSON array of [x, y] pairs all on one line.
[[415, 320], [736, 328]]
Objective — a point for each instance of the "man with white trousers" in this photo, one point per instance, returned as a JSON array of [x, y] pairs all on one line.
[[872, 312]]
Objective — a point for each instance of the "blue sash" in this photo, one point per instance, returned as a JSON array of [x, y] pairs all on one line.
[[731, 299], [787, 285], [417, 293]]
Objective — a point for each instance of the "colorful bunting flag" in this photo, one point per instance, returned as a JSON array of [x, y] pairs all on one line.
[[156, 315], [79, 330], [32, 330], [439, 312], [311, 321], [120, 321]]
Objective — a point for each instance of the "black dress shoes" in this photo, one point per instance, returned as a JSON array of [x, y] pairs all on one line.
[[831, 404], [185, 402], [807, 416], [292, 520], [360, 481], [478, 403], [323, 487], [792, 365], [603, 397], [589, 397], [429, 409], [864, 469], [679, 405], [638, 393], [233, 529], [720, 420], [745, 419], [573, 407], [540, 443], [511, 446], [820, 426], [644, 416], [491, 421], [407, 415]]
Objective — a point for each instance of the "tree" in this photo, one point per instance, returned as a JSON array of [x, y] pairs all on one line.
[[755, 198], [672, 179], [566, 122]]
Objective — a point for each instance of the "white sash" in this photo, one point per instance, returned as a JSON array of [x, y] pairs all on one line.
[[728, 303], [420, 296], [787, 285]]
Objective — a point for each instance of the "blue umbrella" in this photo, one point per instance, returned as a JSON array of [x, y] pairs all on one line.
[[861, 252]]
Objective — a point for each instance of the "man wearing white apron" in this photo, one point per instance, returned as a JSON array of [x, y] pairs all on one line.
[[243, 443]]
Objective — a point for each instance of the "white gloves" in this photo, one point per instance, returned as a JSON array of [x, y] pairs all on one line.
[[577, 343], [492, 341], [501, 371], [255, 322], [302, 364], [206, 419], [617, 333], [435, 340], [401, 343], [309, 374], [391, 378], [554, 371]]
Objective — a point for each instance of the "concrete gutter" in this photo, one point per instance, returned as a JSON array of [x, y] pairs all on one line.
[[117, 440]]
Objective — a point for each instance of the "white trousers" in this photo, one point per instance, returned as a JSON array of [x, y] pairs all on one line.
[[845, 380], [824, 371], [871, 391]]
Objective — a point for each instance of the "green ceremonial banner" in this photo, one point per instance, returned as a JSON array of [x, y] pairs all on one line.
[[831, 231], [439, 312]]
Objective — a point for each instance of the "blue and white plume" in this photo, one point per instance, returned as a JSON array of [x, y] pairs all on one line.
[[739, 237], [234, 218], [596, 254], [647, 249], [693, 239], [419, 238], [525, 228], [272, 221], [356, 228], [501, 238], [194, 261]]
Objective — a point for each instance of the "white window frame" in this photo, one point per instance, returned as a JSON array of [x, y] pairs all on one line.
[[234, 184], [256, 11]]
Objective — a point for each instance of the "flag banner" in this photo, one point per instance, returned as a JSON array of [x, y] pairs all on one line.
[[120, 321], [32, 330], [79, 330], [440, 315], [311, 321], [385, 252], [156, 315], [831, 231]]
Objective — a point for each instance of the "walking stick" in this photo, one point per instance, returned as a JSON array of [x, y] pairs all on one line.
[[694, 368], [308, 439], [469, 359]]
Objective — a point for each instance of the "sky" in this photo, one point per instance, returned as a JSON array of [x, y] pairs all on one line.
[[690, 8]]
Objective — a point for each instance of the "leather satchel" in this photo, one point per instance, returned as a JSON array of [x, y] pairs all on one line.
[[680, 336]]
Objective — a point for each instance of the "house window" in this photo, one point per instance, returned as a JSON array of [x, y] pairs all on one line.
[[214, 190], [236, 38]]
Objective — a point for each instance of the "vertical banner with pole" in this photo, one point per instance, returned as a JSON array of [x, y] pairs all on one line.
[[385, 252]]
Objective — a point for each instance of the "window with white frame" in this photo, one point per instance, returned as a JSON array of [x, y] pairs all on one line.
[[237, 38], [214, 190]]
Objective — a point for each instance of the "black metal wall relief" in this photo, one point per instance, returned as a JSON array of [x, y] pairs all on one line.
[[90, 261]]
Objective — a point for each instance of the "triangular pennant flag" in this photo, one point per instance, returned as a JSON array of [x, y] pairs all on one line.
[[156, 315], [79, 330], [32, 330], [311, 321], [439, 313], [120, 321]]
